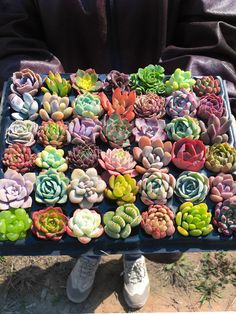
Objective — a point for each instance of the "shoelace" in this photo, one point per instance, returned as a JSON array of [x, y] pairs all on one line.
[[134, 272]]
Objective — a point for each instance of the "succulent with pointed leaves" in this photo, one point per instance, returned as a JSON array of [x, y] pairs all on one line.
[[86, 81], [56, 85]]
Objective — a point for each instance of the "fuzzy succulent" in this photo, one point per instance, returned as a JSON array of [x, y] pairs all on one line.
[[51, 187], [117, 79], [178, 80], [118, 161], [150, 105], [188, 154], [26, 81], [88, 105], [56, 85], [211, 104], [221, 158], [152, 155], [22, 132], [119, 224], [193, 220], [15, 189], [86, 81], [156, 187], [54, 133], [153, 128], [158, 221], [86, 188], [225, 217], [53, 158], [192, 187], [49, 223], [222, 187], [85, 225], [207, 85], [122, 189], [19, 157], [25, 107], [183, 127]]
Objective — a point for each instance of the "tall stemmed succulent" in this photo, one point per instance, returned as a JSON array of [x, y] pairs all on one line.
[[178, 80], [150, 105], [88, 105], [183, 127], [222, 186], [22, 132], [86, 81], [153, 128], [55, 84], [26, 81], [25, 107], [207, 85], [117, 79]]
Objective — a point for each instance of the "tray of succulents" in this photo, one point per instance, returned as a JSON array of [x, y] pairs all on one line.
[[117, 163]]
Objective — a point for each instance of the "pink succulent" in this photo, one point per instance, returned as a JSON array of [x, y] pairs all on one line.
[[211, 104], [222, 186], [153, 128]]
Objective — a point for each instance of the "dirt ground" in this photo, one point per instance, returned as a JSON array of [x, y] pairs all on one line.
[[37, 285]]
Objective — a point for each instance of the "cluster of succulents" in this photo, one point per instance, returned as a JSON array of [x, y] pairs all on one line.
[[153, 128], [22, 131], [25, 107], [225, 217], [86, 81], [56, 85], [117, 79], [53, 158], [26, 81], [211, 104], [178, 80], [207, 85], [150, 105], [222, 187], [183, 127], [88, 105]]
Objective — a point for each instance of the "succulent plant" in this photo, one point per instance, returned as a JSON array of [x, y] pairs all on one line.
[[49, 223], [119, 224], [83, 156], [51, 157], [193, 220], [15, 189], [122, 189], [26, 81], [188, 154], [156, 187], [56, 85], [222, 187], [211, 104], [19, 157], [153, 128], [86, 81], [85, 225], [22, 132], [118, 161], [55, 108], [225, 216], [117, 79], [153, 155], [158, 221], [206, 85], [116, 131], [54, 133], [221, 158], [148, 79], [51, 187], [14, 224], [88, 105], [178, 80], [183, 127], [26, 107], [150, 105], [182, 103], [192, 187], [86, 188]]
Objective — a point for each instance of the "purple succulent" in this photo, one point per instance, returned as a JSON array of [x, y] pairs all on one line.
[[117, 79], [153, 128], [26, 81]]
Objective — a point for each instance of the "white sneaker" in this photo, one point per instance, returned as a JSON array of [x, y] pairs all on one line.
[[81, 279], [136, 282]]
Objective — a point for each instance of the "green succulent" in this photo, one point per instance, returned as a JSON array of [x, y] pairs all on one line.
[[86, 81], [51, 157], [178, 80], [183, 127], [56, 85], [88, 105]]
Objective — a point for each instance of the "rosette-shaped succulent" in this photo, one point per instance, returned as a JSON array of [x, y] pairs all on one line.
[[55, 108], [211, 104], [183, 127], [149, 105], [206, 85], [14, 224], [22, 132], [158, 221], [116, 131], [15, 189], [122, 189], [182, 103], [51, 187], [83, 156], [119, 224], [178, 80], [222, 187], [118, 161], [88, 105], [225, 217], [221, 158], [54, 133], [193, 220], [56, 85], [19, 157], [86, 188], [26, 81], [117, 79], [188, 154], [86, 81], [26, 107], [49, 223], [51, 157], [153, 128], [156, 187], [216, 130], [192, 187], [153, 155], [85, 225]]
